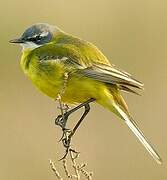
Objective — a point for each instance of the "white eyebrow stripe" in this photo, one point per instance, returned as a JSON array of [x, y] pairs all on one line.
[[34, 36], [44, 34]]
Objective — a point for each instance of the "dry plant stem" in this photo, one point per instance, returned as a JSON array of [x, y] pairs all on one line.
[[70, 176], [60, 104], [88, 175], [66, 170], [74, 164], [62, 92], [53, 167]]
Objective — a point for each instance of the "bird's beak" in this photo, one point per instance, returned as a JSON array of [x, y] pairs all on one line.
[[19, 40]]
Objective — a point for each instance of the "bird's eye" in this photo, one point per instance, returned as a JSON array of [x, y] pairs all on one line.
[[35, 38], [38, 37]]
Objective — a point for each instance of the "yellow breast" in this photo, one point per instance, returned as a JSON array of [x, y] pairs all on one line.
[[47, 79]]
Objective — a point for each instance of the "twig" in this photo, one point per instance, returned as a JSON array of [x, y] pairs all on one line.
[[60, 105], [53, 167], [74, 164], [87, 174], [66, 170]]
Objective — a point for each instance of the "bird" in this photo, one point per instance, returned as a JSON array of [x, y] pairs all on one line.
[[62, 64]]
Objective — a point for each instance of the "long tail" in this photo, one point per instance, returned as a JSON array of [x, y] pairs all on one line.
[[139, 134]]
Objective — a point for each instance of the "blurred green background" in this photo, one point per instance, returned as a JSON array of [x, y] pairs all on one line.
[[133, 35]]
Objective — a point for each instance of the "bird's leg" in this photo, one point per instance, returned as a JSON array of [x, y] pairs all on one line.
[[67, 133], [67, 139], [61, 120], [87, 109]]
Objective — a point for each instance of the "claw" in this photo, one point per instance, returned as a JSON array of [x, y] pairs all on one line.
[[59, 121], [66, 144], [65, 155], [64, 135], [70, 150], [62, 120], [76, 153], [66, 140]]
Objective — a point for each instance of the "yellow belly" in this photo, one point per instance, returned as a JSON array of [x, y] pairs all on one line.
[[76, 90], [80, 89]]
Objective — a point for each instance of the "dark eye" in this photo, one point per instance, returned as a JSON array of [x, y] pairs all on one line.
[[35, 38], [38, 37]]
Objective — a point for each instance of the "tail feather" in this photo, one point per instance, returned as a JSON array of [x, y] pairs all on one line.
[[139, 134]]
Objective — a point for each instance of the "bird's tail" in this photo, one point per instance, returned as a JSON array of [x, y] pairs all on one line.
[[115, 103], [139, 134]]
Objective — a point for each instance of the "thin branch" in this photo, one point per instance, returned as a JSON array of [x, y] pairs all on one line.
[[53, 167], [70, 176], [88, 175], [60, 105], [66, 169], [74, 164]]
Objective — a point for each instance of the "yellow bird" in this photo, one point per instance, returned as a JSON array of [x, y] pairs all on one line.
[[59, 63]]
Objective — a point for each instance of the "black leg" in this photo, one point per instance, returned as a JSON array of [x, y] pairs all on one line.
[[87, 109], [62, 120], [66, 139]]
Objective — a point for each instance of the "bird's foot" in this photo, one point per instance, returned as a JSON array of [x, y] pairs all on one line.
[[66, 140], [65, 134], [61, 120], [68, 149]]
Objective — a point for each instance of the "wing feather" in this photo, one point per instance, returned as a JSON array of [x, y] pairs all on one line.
[[111, 75], [72, 57]]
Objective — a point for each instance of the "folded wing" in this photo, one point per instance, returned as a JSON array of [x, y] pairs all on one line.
[[112, 75]]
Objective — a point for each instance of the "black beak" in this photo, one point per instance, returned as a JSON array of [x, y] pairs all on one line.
[[17, 41]]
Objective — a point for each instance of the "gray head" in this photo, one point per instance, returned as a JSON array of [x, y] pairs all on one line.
[[36, 35]]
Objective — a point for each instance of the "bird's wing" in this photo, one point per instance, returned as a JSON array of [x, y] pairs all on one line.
[[87, 62], [79, 52], [112, 75]]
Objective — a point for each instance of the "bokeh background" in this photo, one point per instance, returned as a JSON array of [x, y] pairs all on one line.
[[133, 35]]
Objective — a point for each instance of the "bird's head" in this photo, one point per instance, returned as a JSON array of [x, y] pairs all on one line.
[[36, 35]]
